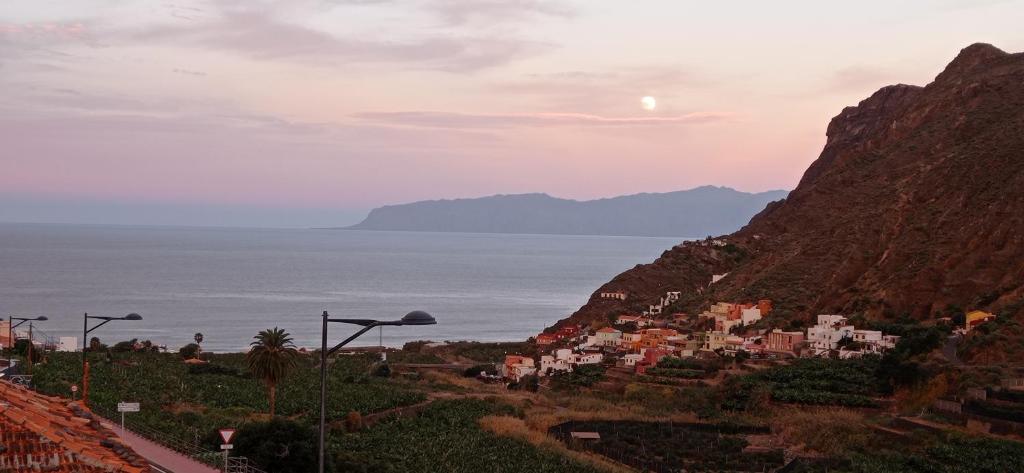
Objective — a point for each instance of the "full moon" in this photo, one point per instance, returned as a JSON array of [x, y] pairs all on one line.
[[649, 103]]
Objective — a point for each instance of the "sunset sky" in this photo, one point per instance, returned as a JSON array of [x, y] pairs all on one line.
[[310, 112]]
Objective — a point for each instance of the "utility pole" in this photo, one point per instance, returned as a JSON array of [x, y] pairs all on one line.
[[28, 351]]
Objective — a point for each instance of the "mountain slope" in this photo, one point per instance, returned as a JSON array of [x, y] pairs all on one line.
[[690, 213], [916, 203]]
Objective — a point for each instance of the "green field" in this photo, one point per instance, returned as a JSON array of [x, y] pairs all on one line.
[[191, 402]]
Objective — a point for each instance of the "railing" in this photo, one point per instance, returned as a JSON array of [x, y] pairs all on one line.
[[241, 465], [185, 447], [21, 379]]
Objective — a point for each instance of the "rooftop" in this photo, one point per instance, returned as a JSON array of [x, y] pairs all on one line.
[[43, 433]]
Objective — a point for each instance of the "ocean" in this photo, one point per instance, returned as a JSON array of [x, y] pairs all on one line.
[[230, 283]]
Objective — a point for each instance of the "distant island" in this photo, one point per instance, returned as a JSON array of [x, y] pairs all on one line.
[[707, 210]]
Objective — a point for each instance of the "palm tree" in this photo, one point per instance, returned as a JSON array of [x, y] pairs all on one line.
[[271, 358]]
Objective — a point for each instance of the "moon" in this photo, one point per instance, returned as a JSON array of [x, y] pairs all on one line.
[[649, 103]]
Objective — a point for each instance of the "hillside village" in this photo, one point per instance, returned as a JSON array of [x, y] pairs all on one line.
[[727, 330]]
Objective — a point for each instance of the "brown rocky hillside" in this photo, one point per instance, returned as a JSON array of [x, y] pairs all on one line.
[[916, 203]]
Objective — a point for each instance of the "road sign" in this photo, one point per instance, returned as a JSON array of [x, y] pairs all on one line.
[[127, 407], [227, 446], [74, 388], [226, 434]]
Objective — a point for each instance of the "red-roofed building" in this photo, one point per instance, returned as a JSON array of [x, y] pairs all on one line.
[[546, 339], [43, 433], [568, 331]]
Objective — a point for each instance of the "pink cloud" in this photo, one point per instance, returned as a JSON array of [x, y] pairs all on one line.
[[431, 119]]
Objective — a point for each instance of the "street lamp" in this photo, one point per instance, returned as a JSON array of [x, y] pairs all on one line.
[[10, 333], [416, 317], [85, 341]]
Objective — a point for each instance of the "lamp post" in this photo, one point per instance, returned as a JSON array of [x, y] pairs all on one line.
[[85, 341], [10, 333], [417, 317]]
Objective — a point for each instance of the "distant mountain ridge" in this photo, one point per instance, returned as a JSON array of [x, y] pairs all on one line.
[[707, 210]]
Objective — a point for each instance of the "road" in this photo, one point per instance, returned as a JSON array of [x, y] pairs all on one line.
[[162, 458], [949, 350]]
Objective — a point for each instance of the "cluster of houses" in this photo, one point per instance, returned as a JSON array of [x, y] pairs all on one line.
[[657, 309], [727, 315], [640, 341]]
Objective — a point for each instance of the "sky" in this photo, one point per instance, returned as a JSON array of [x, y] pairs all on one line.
[[310, 112]]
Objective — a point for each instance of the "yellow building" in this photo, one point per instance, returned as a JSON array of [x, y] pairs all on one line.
[[975, 318]]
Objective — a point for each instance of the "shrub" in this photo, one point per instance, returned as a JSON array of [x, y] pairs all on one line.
[[217, 369], [280, 445], [477, 370], [125, 346], [583, 375], [189, 351], [382, 370]]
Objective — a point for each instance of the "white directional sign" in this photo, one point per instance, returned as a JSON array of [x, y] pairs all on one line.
[[227, 446], [127, 407]]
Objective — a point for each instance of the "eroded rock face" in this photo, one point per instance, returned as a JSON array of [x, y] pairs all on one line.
[[916, 203]]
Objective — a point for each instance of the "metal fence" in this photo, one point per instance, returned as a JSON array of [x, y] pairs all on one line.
[[185, 447], [241, 465]]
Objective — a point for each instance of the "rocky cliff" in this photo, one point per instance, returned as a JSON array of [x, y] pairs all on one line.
[[916, 203]]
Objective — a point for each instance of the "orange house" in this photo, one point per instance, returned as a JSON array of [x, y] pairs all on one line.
[[653, 337]]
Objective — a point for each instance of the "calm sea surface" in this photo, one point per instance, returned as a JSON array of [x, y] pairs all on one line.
[[230, 283]]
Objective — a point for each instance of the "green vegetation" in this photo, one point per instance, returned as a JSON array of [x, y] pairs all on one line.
[[681, 373], [477, 370], [491, 352], [673, 447], [999, 340], [997, 409], [281, 446], [444, 437], [189, 351], [583, 375], [272, 358], [684, 368], [190, 401], [809, 381], [954, 454]]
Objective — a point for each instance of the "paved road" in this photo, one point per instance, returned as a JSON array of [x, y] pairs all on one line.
[[949, 350], [162, 458]]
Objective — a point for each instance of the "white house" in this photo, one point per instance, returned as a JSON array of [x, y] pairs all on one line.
[[68, 344], [751, 315], [516, 366], [588, 358], [630, 359], [874, 341], [827, 333], [549, 365], [608, 337], [619, 295], [640, 321], [589, 341]]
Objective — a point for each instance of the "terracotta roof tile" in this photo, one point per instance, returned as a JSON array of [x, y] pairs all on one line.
[[45, 433]]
